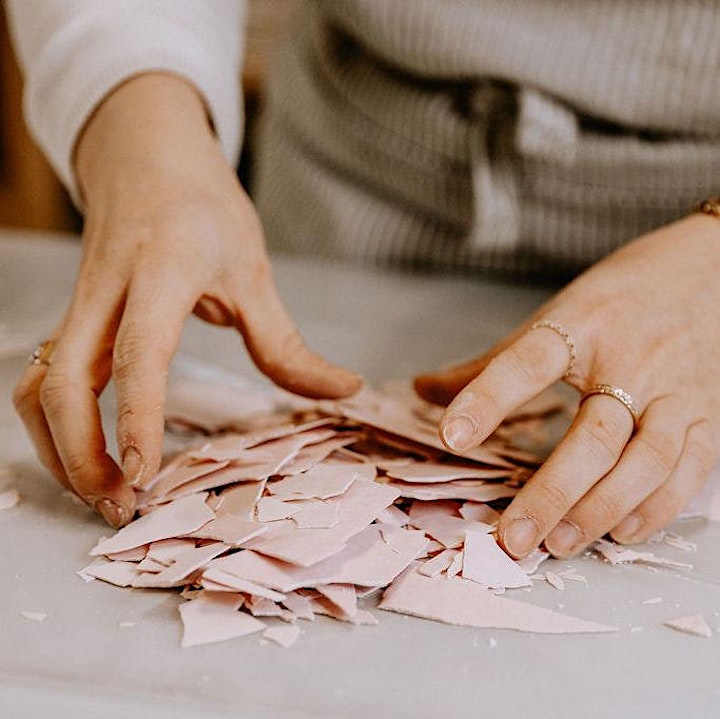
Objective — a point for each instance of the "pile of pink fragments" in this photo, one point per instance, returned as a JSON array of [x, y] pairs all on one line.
[[264, 524]]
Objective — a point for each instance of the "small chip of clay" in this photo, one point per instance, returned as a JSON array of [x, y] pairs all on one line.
[[35, 616], [285, 634], [555, 580], [9, 498], [694, 624]]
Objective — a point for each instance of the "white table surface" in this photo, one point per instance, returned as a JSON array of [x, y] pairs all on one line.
[[79, 663]]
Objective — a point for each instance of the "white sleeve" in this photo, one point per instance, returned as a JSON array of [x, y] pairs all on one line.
[[74, 52]]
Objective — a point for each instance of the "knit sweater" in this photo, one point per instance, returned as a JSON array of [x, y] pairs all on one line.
[[476, 134]]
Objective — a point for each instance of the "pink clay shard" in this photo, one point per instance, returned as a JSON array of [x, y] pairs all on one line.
[[342, 596], [299, 605], [9, 498], [449, 531], [368, 560], [358, 507], [463, 602], [240, 500], [214, 617], [121, 574], [530, 564], [435, 473], [283, 635], [166, 551], [309, 457], [479, 512], [321, 516], [486, 563], [438, 564], [179, 571], [231, 530], [694, 624], [241, 585], [322, 482], [171, 520], [452, 490]]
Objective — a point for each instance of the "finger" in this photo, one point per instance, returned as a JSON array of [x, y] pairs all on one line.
[[589, 450], [79, 370], [26, 399], [148, 335], [442, 386], [279, 352], [646, 463], [514, 376], [668, 500]]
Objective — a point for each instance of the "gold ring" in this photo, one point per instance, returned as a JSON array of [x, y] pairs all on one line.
[[42, 353], [619, 394], [559, 330], [709, 207]]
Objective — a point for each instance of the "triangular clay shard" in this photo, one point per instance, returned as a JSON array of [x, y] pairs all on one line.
[[694, 624], [463, 602], [214, 617]]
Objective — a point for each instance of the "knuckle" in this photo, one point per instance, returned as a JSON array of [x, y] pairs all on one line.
[[24, 397], [288, 352], [254, 275], [76, 464], [700, 447], [125, 417], [668, 501], [127, 355], [259, 272], [605, 511], [54, 390], [602, 439], [528, 366], [659, 452], [554, 496], [479, 402], [134, 351], [292, 346]]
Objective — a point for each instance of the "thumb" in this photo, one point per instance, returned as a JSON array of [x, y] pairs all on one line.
[[279, 351], [441, 387]]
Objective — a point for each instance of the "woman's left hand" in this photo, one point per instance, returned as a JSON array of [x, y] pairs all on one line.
[[644, 320]]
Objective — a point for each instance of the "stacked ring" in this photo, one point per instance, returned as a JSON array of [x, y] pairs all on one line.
[[625, 398], [559, 330]]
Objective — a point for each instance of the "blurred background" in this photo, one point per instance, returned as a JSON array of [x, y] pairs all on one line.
[[31, 196]]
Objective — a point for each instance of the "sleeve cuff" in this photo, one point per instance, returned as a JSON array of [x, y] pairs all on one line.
[[74, 83]]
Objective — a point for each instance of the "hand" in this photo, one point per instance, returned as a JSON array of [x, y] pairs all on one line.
[[643, 319], [168, 231]]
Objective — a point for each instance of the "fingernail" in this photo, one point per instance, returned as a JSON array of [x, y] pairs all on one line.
[[458, 433], [628, 528], [562, 540], [113, 512], [132, 466], [521, 536]]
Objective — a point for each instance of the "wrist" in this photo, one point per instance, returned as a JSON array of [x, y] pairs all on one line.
[[152, 125]]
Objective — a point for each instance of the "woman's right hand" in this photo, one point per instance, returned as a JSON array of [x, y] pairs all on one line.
[[168, 231]]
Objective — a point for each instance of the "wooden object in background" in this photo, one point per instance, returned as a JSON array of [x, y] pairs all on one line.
[[30, 194]]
